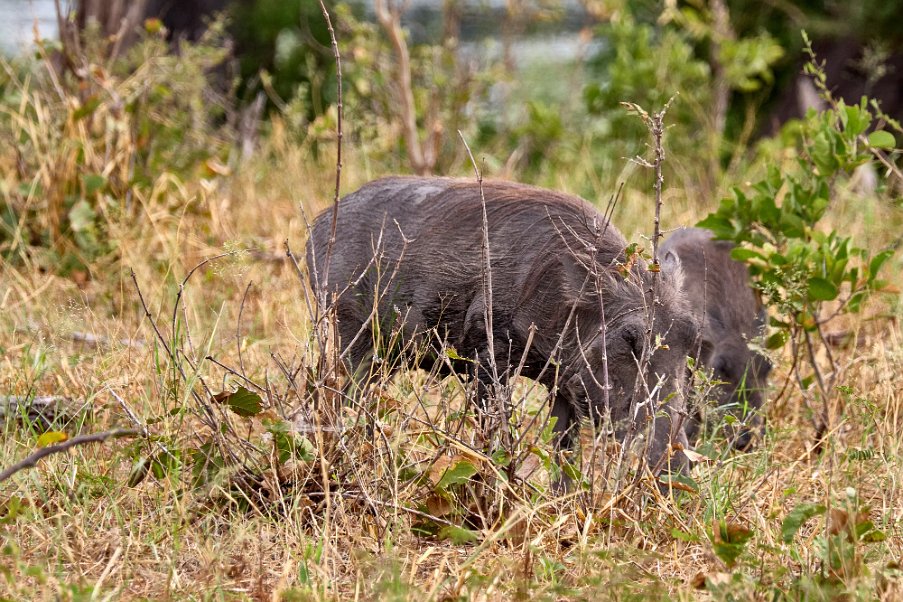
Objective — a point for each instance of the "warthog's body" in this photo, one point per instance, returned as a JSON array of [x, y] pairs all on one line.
[[731, 316], [549, 253]]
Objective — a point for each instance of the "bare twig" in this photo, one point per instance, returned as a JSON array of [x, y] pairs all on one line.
[[95, 340], [46, 407], [32, 460], [338, 159], [241, 309], [421, 156], [486, 273], [175, 308], [655, 123], [131, 414]]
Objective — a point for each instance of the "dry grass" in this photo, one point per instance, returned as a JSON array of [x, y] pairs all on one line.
[[81, 532], [73, 528]]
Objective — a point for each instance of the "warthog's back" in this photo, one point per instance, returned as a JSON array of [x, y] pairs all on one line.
[[416, 243]]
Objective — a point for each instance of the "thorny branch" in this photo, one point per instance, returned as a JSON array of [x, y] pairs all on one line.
[[655, 123], [487, 298], [338, 160]]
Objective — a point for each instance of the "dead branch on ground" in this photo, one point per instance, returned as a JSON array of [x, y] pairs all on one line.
[[32, 460]]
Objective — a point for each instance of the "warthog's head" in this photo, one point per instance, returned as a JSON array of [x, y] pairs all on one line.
[[740, 377], [641, 355], [731, 319]]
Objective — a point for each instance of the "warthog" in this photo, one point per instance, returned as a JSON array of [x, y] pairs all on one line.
[[408, 259], [731, 317]]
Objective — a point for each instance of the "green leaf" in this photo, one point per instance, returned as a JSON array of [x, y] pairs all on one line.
[[452, 354], [82, 216], [165, 463], [243, 402], [501, 457], [51, 437], [730, 541], [680, 482], [719, 225], [882, 139], [854, 120], [745, 254], [458, 535], [822, 153], [457, 474], [86, 109], [93, 182], [821, 289], [9, 510], [777, 340], [797, 517], [207, 463], [683, 535], [288, 443], [878, 261], [874, 536]]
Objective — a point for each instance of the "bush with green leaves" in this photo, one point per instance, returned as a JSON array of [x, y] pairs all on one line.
[[87, 146], [631, 57], [283, 49], [689, 53], [807, 272]]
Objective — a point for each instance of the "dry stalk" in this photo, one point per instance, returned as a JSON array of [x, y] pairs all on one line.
[[486, 277], [655, 124], [338, 160], [422, 154]]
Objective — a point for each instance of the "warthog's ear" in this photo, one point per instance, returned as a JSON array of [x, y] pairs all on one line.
[[670, 262], [671, 266]]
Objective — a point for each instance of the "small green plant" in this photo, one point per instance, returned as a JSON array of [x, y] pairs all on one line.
[[841, 547]]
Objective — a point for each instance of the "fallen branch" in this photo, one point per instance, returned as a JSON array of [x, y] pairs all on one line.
[[32, 460], [12, 405], [46, 409]]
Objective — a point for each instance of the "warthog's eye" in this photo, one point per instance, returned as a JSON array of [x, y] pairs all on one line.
[[633, 336], [721, 367], [682, 334], [706, 349]]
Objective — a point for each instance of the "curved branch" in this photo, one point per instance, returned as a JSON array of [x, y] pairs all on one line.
[[32, 460]]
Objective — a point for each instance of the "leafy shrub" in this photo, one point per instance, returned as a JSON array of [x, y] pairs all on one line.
[[632, 55], [690, 54], [283, 48], [808, 274], [84, 146]]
